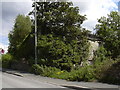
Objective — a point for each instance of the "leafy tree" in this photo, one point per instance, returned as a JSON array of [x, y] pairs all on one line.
[[62, 42], [58, 18], [100, 55], [108, 30], [55, 52], [21, 29]]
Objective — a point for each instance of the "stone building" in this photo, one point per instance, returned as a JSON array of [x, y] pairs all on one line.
[[94, 45]]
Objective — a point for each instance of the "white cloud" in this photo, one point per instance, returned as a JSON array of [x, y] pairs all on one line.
[[94, 9]]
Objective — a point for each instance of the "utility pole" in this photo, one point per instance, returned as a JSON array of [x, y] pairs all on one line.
[[35, 35]]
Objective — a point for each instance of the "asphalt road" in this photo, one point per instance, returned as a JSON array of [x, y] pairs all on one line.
[[13, 81]]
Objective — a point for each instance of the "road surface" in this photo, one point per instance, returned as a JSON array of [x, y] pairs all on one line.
[[13, 81], [27, 80]]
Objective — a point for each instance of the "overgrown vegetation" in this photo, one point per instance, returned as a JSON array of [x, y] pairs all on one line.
[[63, 45], [81, 74], [103, 71], [55, 52], [106, 67], [6, 60], [108, 30], [21, 29], [62, 42]]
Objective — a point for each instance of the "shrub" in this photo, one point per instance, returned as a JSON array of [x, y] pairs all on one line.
[[44, 70], [49, 71], [57, 52], [106, 69], [61, 75], [85, 73], [110, 72], [102, 67], [82, 74], [38, 70], [6, 60]]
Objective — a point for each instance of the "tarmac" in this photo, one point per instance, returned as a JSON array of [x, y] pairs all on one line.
[[69, 84]]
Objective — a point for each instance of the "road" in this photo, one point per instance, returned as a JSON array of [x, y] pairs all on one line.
[[13, 81], [28, 81]]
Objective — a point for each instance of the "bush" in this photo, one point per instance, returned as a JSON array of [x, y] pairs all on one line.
[[110, 72], [49, 71], [38, 70], [44, 70], [61, 75], [57, 52], [105, 71], [102, 67], [6, 60], [85, 73], [105, 68], [82, 74]]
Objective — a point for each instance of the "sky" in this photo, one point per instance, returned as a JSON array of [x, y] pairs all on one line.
[[93, 9]]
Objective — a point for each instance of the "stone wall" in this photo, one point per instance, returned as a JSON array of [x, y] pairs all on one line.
[[93, 47]]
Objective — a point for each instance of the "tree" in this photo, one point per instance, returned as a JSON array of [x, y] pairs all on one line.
[[62, 42], [108, 30], [21, 29], [59, 18]]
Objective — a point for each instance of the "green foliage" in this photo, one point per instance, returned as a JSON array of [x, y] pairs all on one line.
[[100, 55], [26, 49], [48, 71], [62, 42], [59, 18], [6, 60], [21, 29], [108, 71], [54, 51], [82, 74], [104, 71], [105, 68], [44, 70], [61, 75], [37, 69], [102, 67], [108, 30]]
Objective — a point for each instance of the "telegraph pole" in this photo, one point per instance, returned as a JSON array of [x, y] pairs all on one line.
[[35, 35]]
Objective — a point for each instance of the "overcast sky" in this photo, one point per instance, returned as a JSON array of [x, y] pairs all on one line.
[[93, 9]]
